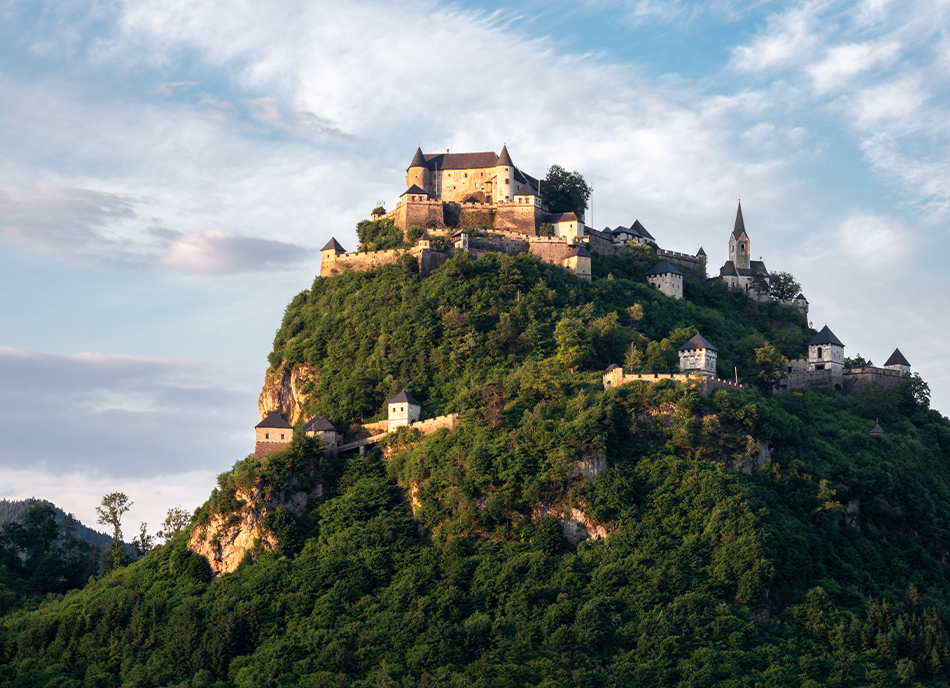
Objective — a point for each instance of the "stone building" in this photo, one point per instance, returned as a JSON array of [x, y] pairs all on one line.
[[666, 278], [272, 434], [577, 260], [698, 356], [454, 177], [403, 410], [897, 362], [322, 428], [825, 351], [740, 271]]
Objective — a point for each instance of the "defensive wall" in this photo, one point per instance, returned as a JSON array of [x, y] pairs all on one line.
[[691, 264], [427, 260], [521, 218], [603, 246], [416, 213], [857, 379], [705, 384]]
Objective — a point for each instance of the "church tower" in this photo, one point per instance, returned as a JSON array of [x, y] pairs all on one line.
[[739, 245]]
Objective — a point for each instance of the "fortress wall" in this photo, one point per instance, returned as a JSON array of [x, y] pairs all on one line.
[[420, 212], [552, 252], [814, 380], [800, 306], [681, 260], [520, 218], [856, 380], [362, 261], [427, 427], [604, 247], [475, 215], [262, 449], [431, 260], [498, 244]]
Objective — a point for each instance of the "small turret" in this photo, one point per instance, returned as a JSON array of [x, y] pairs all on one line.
[[898, 362], [826, 352], [698, 356], [424, 240], [329, 252], [504, 174]]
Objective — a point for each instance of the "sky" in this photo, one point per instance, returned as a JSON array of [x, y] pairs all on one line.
[[169, 171]]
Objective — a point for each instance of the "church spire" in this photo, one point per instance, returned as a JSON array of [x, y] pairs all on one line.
[[740, 224]]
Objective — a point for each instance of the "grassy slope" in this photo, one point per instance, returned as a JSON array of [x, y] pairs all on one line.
[[713, 577]]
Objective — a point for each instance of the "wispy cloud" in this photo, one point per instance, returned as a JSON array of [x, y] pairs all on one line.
[[221, 253]]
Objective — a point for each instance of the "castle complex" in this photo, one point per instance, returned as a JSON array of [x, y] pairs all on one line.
[[483, 203]]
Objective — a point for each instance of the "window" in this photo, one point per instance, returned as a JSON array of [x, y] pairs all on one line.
[[819, 352], [481, 174], [507, 181], [281, 435], [466, 174], [266, 436]]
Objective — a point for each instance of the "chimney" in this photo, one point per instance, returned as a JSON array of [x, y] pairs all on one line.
[[446, 151]]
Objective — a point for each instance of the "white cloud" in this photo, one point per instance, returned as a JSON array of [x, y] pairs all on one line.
[[842, 63], [789, 40], [894, 103], [218, 253]]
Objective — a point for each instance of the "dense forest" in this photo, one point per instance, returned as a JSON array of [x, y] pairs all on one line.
[[752, 539]]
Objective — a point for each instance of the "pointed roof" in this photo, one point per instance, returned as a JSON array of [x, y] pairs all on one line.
[[274, 420], [700, 252], [826, 336], [414, 189], [697, 342], [320, 424], [877, 429], [897, 358], [425, 236], [578, 251], [333, 245], [612, 366], [504, 160], [662, 268], [801, 297], [526, 190], [740, 224], [418, 160], [639, 228], [404, 398]]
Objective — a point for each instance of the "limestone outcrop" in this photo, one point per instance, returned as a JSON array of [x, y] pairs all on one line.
[[227, 537], [283, 391]]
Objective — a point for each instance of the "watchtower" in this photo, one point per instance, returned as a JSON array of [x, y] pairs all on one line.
[[698, 356], [403, 410], [826, 352]]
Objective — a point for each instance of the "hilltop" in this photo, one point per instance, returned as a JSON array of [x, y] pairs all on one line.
[[563, 533]]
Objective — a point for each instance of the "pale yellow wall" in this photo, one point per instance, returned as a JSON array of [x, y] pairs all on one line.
[[274, 434]]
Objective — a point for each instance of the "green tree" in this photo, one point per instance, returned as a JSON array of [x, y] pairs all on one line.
[[144, 542], [110, 513], [769, 367], [565, 192], [783, 286], [574, 346], [175, 521]]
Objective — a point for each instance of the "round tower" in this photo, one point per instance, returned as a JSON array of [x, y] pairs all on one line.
[[418, 172], [505, 176]]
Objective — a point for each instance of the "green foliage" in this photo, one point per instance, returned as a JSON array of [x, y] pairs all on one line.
[[783, 286], [753, 540], [769, 367], [565, 192], [380, 235]]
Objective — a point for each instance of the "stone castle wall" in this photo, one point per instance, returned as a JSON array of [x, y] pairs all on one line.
[[427, 427], [416, 213], [859, 378], [597, 242], [684, 261], [476, 215], [521, 218], [361, 261]]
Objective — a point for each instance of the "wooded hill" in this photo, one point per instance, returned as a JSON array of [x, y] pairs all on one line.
[[440, 560]]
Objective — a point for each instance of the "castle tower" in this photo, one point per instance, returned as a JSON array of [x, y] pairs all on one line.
[[826, 352], [418, 171], [403, 410], [898, 362], [698, 356], [504, 177], [329, 253], [273, 434], [321, 427], [739, 245], [424, 241], [667, 279]]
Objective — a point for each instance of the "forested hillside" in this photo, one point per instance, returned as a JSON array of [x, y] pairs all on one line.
[[750, 539]]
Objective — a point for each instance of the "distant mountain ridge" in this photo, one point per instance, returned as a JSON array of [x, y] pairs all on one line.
[[10, 510]]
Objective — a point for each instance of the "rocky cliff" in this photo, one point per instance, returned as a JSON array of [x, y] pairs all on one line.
[[284, 391]]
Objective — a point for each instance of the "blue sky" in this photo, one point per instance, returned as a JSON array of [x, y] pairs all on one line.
[[169, 170]]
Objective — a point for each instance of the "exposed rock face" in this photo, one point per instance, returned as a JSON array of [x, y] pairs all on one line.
[[283, 391], [575, 524], [589, 465], [227, 537]]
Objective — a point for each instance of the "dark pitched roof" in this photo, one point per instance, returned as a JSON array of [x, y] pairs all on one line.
[[504, 160], [404, 398], [612, 366], [637, 227], [425, 236], [273, 420], [418, 160], [826, 336], [414, 189], [525, 190], [877, 429], [728, 269], [740, 224], [320, 424], [461, 161], [579, 251], [333, 245], [897, 358], [700, 252], [801, 297], [471, 199], [757, 267], [662, 268], [560, 217], [697, 342]]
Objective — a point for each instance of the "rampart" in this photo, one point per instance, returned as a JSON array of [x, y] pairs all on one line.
[[427, 427], [476, 215], [689, 263], [857, 379], [521, 218], [335, 265], [603, 246], [706, 385], [416, 213], [498, 244]]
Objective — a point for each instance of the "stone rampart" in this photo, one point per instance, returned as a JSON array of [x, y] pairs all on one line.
[[416, 213], [476, 215], [498, 244], [686, 261], [427, 427], [520, 218], [597, 242], [551, 252], [431, 260], [857, 379], [262, 449], [361, 261]]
